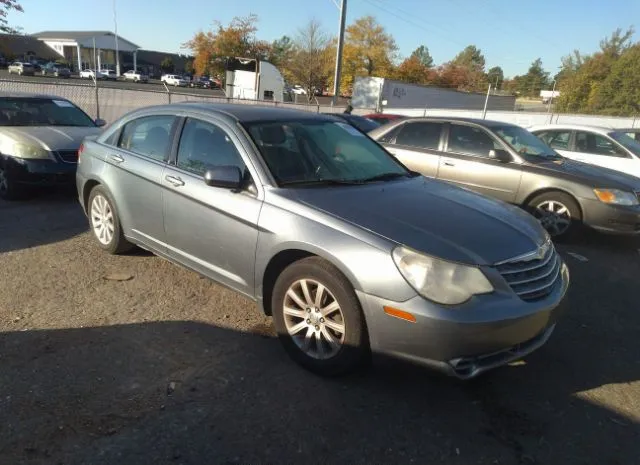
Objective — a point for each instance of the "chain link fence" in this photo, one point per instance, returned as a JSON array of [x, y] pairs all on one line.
[[110, 103]]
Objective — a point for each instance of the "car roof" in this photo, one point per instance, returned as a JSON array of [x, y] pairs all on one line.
[[628, 129], [575, 127], [15, 94], [456, 119], [251, 113]]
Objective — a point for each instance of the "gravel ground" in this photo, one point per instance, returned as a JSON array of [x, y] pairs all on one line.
[[134, 360]]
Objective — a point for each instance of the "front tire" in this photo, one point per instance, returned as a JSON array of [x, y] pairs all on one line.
[[105, 223], [318, 318], [9, 188], [557, 212]]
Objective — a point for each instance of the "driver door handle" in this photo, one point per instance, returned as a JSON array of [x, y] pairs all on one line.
[[116, 158], [174, 181], [449, 163]]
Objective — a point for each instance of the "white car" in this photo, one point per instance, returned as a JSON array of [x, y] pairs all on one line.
[[90, 74], [596, 145], [109, 74], [298, 90], [174, 80], [135, 76]]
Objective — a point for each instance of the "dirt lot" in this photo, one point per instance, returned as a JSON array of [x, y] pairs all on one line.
[[166, 367]]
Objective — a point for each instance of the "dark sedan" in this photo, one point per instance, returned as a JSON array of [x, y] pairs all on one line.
[[509, 163]]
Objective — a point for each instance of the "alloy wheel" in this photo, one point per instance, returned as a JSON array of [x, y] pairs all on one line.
[[554, 216], [102, 219], [314, 319]]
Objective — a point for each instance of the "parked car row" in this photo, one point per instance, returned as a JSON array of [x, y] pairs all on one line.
[[353, 251]]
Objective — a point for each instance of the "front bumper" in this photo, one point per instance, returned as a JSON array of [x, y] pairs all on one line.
[[484, 333], [44, 172], [612, 219]]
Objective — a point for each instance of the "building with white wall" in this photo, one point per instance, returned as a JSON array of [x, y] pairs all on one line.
[[89, 49]]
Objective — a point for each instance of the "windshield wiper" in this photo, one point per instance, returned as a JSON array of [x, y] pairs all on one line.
[[321, 182], [386, 177]]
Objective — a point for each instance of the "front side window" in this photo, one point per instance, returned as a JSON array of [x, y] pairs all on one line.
[[204, 146], [596, 144], [148, 135], [424, 135], [317, 151], [470, 141], [18, 111], [523, 142]]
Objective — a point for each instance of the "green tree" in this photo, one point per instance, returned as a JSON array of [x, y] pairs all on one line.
[[495, 76], [619, 93], [617, 43], [534, 81], [188, 66], [423, 55], [167, 65], [5, 7], [307, 65], [471, 57]]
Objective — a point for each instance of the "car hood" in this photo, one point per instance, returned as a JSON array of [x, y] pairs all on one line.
[[432, 217], [594, 176], [50, 137]]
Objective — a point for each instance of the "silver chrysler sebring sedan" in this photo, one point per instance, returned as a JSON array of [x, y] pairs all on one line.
[[348, 250]]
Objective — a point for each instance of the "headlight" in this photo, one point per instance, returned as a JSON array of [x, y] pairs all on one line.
[[22, 150], [438, 280], [616, 197]]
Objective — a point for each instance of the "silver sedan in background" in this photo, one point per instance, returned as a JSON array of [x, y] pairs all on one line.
[[348, 250]]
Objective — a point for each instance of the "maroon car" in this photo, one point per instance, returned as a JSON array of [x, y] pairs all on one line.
[[384, 118]]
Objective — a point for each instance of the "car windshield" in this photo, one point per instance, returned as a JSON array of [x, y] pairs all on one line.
[[626, 141], [322, 152], [525, 143], [21, 111]]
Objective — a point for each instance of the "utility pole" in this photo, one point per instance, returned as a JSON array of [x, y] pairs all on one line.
[[115, 22], [338, 74], [486, 103]]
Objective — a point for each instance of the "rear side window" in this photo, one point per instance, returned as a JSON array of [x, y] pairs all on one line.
[[470, 140], [558, 140], [149, 136], [424, 135]]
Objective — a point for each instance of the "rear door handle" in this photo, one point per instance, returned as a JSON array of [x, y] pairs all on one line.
[[116, 158], [174, 181], [449, 163]]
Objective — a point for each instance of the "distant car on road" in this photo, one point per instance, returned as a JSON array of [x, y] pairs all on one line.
[[56, 70], [360, 122], [509, 163], [135, 76], [39, 140], [601, 146], [109, 74], [90, 74], [21, 68], [203, 82], [298, 90], [349, 251], [173, 80], [384, 118]]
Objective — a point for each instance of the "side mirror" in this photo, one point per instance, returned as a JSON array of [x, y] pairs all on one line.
[[100, 122], [501, 155], [227, 177]]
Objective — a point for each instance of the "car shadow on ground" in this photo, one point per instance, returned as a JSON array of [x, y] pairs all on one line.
[[192, 393], [45, 217]]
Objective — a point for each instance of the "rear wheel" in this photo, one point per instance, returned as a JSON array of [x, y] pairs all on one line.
[[105, 224], [557, 212], [318, 318]]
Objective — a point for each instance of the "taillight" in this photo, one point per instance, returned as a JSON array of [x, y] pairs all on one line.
[[80, 150]]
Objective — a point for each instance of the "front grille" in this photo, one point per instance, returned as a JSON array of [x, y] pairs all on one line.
[[532, 278], [68, 156]]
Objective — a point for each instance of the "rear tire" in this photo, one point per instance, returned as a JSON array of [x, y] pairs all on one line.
[[318, 318], [105, 223], [557, 212]]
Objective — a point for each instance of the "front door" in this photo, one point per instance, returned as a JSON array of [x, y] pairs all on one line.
[[210, 229], [467, 164], [597, 149]]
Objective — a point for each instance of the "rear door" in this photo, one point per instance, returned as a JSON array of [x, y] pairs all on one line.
[[212, 230], [134, 172], [467, 163], [417, 145]]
